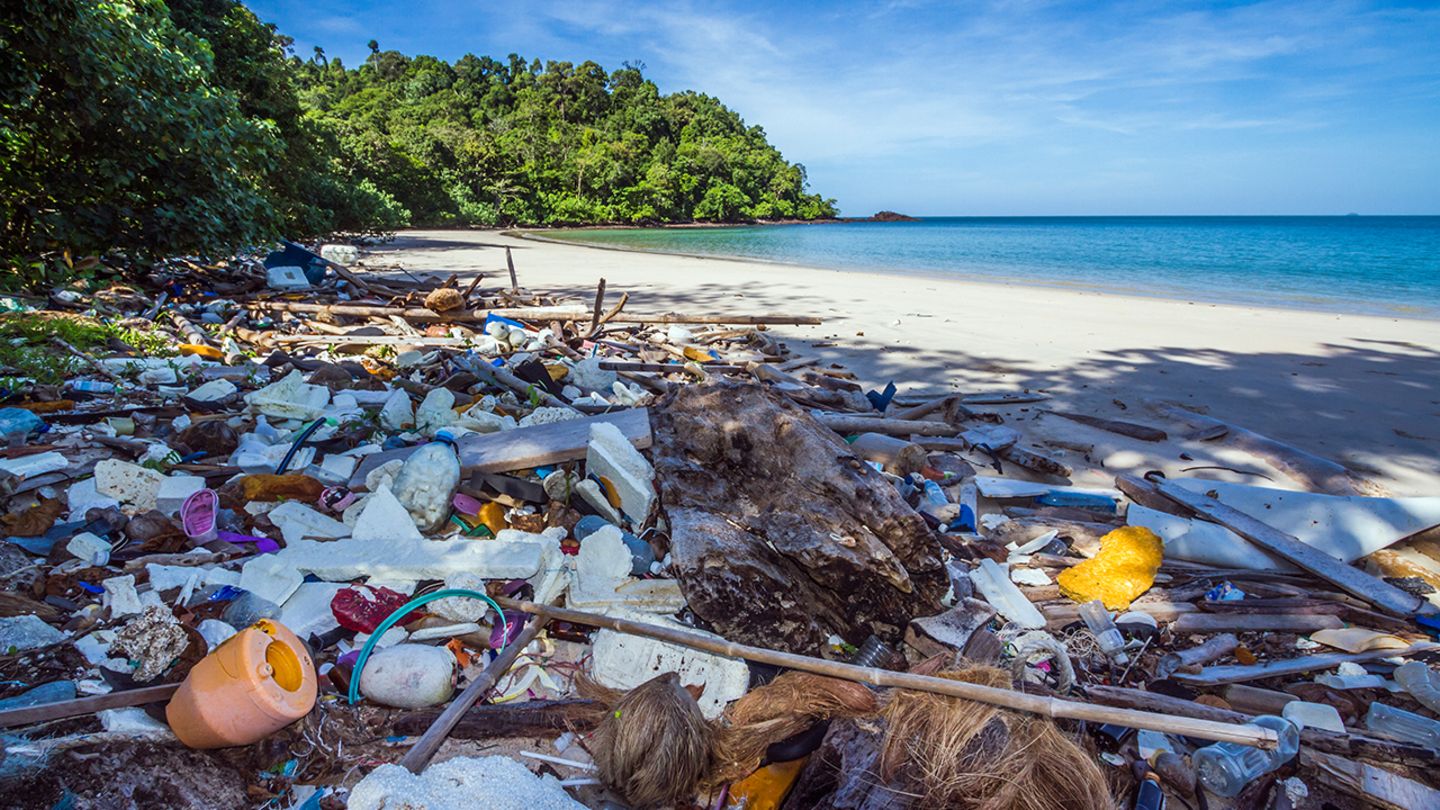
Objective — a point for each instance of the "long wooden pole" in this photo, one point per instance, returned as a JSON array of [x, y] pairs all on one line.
[[1018, 701], [527, 313], [424, 749], [1348, 578], [87, 705], [510, 265]]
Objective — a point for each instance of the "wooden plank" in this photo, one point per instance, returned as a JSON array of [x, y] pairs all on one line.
[[523, 448], [1219, 676], [852, 423], [544, 314], [86, 705], [1353, 581], [424, 749], [1144, 433], [1371, 784], [1256, 622]]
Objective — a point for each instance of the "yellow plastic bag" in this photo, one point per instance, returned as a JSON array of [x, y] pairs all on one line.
[[1124, 568]]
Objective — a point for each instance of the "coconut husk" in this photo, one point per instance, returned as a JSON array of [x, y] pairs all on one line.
[[444, 299], [964, 754], [786, 706], [653, 745]]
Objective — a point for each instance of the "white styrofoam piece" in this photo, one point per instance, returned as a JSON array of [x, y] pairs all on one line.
[[130, 484], [297, 521], [385, 518], [412, 558], [270, 577], [290, 398], [603, 581], [612, 457], [622, 661], [215, 632], [461, 783], [992, 486], [86, 546], [445, 631], [307, 612], [174, 489], [37, 464], [993, 582]]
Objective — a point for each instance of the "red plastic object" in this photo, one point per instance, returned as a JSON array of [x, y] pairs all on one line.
[[361, 609]]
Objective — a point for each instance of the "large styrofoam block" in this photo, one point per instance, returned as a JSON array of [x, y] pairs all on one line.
[[174, 489], [385, 518], [290, 398], [622, 661], [130, 484], [121, 598], [35, 464], [270, 577], [462, 783], [612, 457], [86, 546], [413, 559], [397, 413]]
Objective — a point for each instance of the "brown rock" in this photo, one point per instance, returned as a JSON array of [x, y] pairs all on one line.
[[779, 534]]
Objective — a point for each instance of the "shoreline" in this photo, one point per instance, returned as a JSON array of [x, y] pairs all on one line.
[[1362, 390], [997, 280]]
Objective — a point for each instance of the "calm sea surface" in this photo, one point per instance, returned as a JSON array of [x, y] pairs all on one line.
[[1377, 265]]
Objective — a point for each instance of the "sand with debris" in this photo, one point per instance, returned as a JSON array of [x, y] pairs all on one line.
[[1362, 390]]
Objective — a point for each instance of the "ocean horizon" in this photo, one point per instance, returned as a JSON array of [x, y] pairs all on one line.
[[1374, 265]]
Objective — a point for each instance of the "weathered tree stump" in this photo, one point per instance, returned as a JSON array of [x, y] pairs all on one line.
[[780, 535]]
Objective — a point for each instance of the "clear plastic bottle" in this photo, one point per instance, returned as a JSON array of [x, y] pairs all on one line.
[[1420, 682], [1225, 768], [1398, 724], [427, 483], [1107, 635]]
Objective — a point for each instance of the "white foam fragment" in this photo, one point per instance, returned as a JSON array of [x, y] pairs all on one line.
[[90, 548], [174, 489], [612, 457], [307, 612], [413, 558], [297, 521], [461, 783], [397, 413], [130, 484], [290, 398], [603, 581], [385, 518], [32, 465], [270, 577], [621, 661], [215, 632]]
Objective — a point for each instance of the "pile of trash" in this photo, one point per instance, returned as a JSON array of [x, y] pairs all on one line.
[[352, 523]]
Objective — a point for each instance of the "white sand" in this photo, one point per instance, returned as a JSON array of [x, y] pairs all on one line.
[[1362, 390]]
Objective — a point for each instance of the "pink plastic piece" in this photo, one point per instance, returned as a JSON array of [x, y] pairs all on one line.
[[197, 515]]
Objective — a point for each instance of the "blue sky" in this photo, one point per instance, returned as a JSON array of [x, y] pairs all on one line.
[[1014, 107]]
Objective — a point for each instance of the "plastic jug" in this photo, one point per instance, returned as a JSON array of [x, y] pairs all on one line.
[[1225, 768], [252, 685]]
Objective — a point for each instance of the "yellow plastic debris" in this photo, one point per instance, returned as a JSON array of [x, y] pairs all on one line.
[[1124, 568]]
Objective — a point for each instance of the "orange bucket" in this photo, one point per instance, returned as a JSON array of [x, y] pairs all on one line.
[[254, 684]]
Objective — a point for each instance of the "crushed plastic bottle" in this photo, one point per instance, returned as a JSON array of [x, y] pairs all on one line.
[[1398, 724], [1107, 635], [1421, 682], [1225, 768], [18, 422], [427, 483]]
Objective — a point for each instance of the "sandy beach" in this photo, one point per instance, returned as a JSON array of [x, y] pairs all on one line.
[[1362, 390]]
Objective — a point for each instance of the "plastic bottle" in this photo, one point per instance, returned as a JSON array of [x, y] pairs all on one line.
[[426, 484], [1420, 682], [1107, 635], [1225, 768], [1398, 724]]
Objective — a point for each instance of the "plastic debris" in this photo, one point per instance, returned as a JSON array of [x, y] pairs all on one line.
[[1124, 569]]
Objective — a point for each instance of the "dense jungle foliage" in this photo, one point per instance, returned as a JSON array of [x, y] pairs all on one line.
[[160, 127]]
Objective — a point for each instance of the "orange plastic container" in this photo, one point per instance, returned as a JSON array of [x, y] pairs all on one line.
[[254, 684]]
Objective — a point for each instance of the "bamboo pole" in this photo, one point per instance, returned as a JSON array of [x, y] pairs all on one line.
[[1007, 698], [851, 423], [424, 749]]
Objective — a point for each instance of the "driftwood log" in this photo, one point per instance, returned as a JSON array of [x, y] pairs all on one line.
[[781, 536]]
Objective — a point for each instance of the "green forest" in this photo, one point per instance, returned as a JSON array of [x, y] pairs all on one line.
[[152, 128]]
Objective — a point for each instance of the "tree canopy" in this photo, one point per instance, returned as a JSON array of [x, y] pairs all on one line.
[[161, 127]]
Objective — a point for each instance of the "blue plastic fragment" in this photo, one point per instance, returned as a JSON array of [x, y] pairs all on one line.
[[1224, 592], [881, 399]]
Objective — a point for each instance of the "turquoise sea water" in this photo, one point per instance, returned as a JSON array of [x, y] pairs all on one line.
[[1376, 265]]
